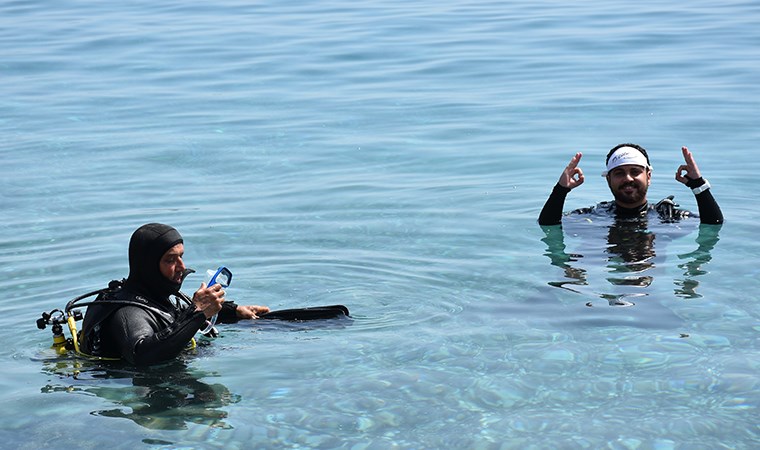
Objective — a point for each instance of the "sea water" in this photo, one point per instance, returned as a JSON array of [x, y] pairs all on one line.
[[393, 157]]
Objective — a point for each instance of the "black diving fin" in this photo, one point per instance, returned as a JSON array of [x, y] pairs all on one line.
[[312, 313]]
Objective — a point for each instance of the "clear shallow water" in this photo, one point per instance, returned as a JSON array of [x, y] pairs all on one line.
[[392, 158]]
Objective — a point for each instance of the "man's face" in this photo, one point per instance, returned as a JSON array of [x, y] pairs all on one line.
[[171, 264], [629, 184]]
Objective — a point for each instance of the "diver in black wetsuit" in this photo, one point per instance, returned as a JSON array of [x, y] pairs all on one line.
[[629, 175], [137, 320], [629, 224]]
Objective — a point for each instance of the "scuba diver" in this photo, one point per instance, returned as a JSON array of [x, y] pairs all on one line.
[[136, 319], [629, 175], [628, 226]]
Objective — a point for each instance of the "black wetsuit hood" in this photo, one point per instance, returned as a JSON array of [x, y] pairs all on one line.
[[146, 247]]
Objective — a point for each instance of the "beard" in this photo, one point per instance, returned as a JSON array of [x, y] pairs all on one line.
[[630, 193]]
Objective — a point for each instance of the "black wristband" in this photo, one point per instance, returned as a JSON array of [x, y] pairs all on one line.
[[694, 182]]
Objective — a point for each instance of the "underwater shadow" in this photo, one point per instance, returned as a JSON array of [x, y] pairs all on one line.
[[628, 254], [164, 397]]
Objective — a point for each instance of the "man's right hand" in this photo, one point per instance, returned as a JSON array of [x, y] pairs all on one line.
[[572, 176], [209, 299]]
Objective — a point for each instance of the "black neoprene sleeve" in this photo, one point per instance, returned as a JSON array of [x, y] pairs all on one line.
[[142, 340], [228, 314], [709, 211], [551, 213]]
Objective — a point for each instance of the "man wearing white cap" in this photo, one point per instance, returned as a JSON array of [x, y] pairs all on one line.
[[629, 175]]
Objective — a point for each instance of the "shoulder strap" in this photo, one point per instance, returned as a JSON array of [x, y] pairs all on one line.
[[109, 297]]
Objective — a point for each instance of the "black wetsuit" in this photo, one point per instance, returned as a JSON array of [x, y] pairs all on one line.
[[709, 211], [127, 325], [136, 320]]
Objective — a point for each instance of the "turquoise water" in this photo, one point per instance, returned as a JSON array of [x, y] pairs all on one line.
[[392, 157]]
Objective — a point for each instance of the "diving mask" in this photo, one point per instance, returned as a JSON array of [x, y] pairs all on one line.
[[223, 277]]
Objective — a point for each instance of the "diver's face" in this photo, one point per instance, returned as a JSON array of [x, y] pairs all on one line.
[[171, 264], [629, 185]]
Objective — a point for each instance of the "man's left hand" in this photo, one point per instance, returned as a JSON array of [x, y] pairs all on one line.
[[250, 311], [691, 169]]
